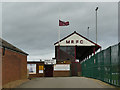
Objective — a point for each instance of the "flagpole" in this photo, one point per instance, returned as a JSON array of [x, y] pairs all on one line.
[[59, 43], [59, 38], [59, 26]]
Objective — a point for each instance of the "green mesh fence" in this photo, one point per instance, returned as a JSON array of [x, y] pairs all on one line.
[[104, 66]]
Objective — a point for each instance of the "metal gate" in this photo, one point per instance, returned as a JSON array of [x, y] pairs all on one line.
[[75, 69]]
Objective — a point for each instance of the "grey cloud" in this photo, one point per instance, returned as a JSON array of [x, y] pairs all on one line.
[[33, 27]]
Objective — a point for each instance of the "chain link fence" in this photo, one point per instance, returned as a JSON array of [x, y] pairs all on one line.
[[105, 65]]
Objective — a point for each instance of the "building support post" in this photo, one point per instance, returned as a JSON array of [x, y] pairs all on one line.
[[94, 54], [101, 49], [94, 50], [75, 53], [58, 52]]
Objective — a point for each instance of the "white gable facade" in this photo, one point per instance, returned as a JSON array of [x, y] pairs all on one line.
[[75, 40]]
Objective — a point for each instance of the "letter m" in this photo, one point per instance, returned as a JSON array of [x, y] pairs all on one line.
[[67, 41]]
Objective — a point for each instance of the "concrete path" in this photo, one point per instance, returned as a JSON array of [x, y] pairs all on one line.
[[64, 82]]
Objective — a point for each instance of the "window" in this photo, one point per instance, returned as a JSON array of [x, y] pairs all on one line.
[[31, 68]]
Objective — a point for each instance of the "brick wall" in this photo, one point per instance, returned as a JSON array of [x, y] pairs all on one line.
[[61, 73], [14, 66]]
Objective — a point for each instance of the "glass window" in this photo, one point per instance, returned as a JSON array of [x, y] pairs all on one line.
[[31, 68]]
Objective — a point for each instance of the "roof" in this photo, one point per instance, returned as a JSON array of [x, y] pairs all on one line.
[[80, 36], [7, 45], [83, 50], [35, 61]]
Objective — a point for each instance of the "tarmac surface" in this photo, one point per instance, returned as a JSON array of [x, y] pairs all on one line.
[[64, 82]]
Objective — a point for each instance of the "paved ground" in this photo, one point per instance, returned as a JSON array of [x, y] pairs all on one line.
[[64, 82]]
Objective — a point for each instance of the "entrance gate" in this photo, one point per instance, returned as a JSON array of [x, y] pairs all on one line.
[[75, 69], [48, 71]]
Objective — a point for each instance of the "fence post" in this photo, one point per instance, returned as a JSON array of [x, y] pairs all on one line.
[[110, 67], [119, 63]]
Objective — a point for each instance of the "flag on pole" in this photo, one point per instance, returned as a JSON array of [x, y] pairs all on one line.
[[62, 23]]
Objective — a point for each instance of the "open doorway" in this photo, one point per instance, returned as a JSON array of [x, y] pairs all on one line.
[[48, 72]]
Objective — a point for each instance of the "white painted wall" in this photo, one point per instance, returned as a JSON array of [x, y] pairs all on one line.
[[75, 37]]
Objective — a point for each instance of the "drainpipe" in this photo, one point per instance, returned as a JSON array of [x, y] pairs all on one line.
[[3, 51]]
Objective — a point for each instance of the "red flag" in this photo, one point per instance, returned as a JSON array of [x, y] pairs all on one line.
[[62, 23]]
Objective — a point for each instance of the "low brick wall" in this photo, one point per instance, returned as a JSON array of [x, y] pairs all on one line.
[[61, 73], [36, 75]]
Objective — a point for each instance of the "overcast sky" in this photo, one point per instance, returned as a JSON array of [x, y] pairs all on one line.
[[33, 27]]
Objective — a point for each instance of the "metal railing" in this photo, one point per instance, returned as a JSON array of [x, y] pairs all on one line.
[[104, 65]]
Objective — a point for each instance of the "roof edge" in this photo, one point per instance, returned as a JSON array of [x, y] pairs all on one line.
[[80, 36], [5, 44]]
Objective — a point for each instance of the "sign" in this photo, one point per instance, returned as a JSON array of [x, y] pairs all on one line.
[[31, 68], [41, 68], [62, 67], [47, 62], [75, 40]]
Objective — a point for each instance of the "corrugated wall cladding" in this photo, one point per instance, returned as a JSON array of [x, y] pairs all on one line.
[[104, 66], [14, 66]]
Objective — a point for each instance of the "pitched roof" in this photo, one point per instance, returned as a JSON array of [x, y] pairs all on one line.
[[80, 36], [7, 45]]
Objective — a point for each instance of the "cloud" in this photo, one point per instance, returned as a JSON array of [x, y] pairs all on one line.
[[33, 26]]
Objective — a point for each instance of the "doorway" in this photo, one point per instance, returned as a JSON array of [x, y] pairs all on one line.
[[48, 72]]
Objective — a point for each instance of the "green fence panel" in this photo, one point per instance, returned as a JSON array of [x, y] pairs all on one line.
[[107, 56], [119, 64], [105, 65]]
